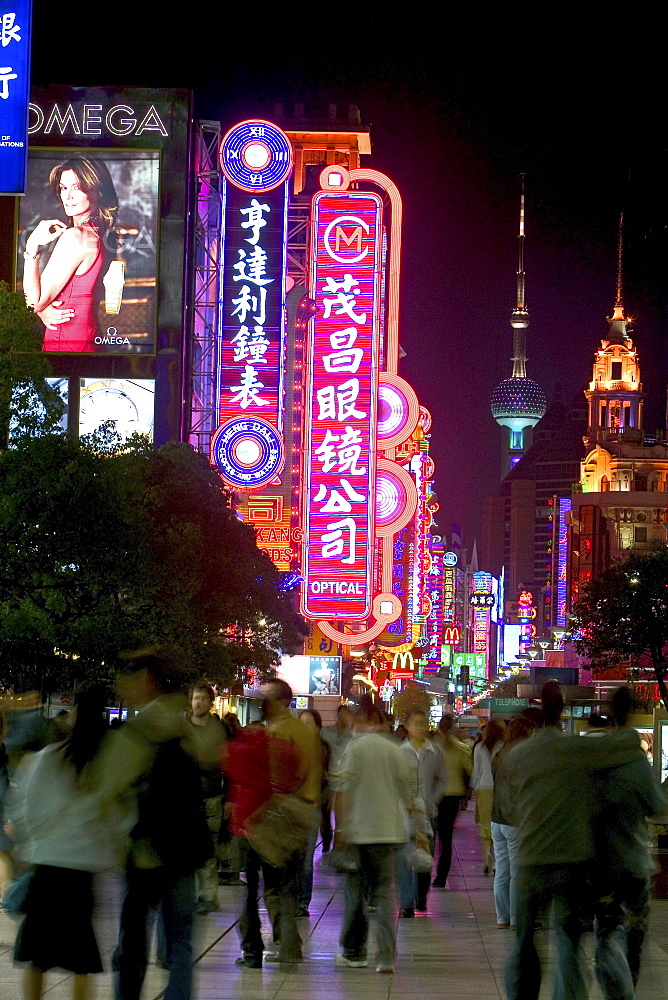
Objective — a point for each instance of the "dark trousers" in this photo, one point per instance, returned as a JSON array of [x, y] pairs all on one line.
[[448, 808], [146, 890], [282, 888], [621, 911]]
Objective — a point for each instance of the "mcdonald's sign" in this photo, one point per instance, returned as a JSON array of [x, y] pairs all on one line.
[[403, 664], [452, 635]]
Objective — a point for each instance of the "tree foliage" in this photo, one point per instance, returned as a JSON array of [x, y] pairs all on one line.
[[27, 402], [623, 614], [110, 547]]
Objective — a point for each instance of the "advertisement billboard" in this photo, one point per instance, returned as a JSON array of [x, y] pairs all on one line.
[[129, 403], [341, 401], [87, 248]]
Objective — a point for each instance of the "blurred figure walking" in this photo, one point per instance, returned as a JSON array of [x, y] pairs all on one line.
[[376, 797], [458, 765], [68, 841], [482, 782], [625, 797], [426, 768], [505, 836]]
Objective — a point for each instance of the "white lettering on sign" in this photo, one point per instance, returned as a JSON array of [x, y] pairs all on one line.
[[88, 119]]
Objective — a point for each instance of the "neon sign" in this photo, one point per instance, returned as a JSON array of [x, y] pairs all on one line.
[[341, 402], [526, 612], [247, 448], [15, 33], [562, 560], [479, 600]]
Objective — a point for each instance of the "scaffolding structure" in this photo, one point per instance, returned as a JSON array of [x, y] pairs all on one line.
[[204, 389]]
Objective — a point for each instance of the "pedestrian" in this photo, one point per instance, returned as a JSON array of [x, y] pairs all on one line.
[[337, 737], [625, 797], [68, 840], [313, 721], [206, 735], [426, 767], [146, 762], [552, 803], [377, 796], [458, 765], [283, 885], [505, 836], [482, 782]]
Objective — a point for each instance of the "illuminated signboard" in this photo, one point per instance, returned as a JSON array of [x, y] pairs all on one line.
[[526, 612], [448, 594], [112, 196], [481, 600], [247, 448], [15, 32], [314, 675], [129, 403], [341, 401], [403, 665], [564, 507], [435, 621]]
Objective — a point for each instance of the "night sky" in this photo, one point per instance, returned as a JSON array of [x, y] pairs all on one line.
[[457, 111]]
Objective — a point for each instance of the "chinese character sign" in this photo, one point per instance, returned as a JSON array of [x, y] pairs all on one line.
[[247, 448], [341, 405], [562, 560], [15, 32], [252, 305]]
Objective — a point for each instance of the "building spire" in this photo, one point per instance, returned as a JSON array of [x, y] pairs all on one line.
[[520, 316], [619, 303]]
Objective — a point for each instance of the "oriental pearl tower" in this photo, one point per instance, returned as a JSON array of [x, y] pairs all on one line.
[[518, 402]]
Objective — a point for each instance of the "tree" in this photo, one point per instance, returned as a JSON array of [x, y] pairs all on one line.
[[110, 547], [623, 614], [27, 402]]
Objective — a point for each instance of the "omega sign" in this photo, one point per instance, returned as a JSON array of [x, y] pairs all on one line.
[[93, 119]]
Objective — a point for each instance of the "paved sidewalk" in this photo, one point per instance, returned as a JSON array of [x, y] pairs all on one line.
[[454, 950]]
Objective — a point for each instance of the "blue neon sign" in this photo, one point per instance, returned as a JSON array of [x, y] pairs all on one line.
[[15, 33]]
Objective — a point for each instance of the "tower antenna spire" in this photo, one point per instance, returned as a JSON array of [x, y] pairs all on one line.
[[520, 316], [619, 298]]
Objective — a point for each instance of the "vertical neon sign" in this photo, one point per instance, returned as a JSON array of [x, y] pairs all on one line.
[[247, 448], [562, 560], [340, 406]]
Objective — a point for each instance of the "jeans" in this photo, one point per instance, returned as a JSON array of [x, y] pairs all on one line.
[[307, 880], [621, 909], [146, 889], [448, 809], [372, 881], [505, 839], [413, 886], [537, 887]]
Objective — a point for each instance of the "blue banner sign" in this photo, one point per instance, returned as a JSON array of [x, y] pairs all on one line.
[[15, 32]]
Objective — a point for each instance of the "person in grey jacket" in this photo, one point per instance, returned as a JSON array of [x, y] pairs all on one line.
[[375, 798], [426, 767]]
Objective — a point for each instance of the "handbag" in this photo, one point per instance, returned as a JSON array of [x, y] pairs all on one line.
[[279, 828], [15, 898], [418, 859]]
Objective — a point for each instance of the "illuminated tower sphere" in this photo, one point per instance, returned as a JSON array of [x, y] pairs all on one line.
[[518, 402]]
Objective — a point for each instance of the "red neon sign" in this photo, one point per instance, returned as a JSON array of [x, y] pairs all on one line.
[[341, 402]]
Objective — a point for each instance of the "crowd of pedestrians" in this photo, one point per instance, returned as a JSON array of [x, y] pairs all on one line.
[[182, 801]]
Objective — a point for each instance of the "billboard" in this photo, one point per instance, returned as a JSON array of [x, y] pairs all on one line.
[[341, 396], [87, 248], [313, 675], [129, 403], [15, 34]]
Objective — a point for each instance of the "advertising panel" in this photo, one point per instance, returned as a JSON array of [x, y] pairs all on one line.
[[341, 403], [129, 403], [314, 675], [87, 248], [15, 34]]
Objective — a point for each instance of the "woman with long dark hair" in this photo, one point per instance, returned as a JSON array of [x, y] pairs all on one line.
[[66, 294], [67, 841]]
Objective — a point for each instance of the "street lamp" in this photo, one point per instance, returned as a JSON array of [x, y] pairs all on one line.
[[534, 652]]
